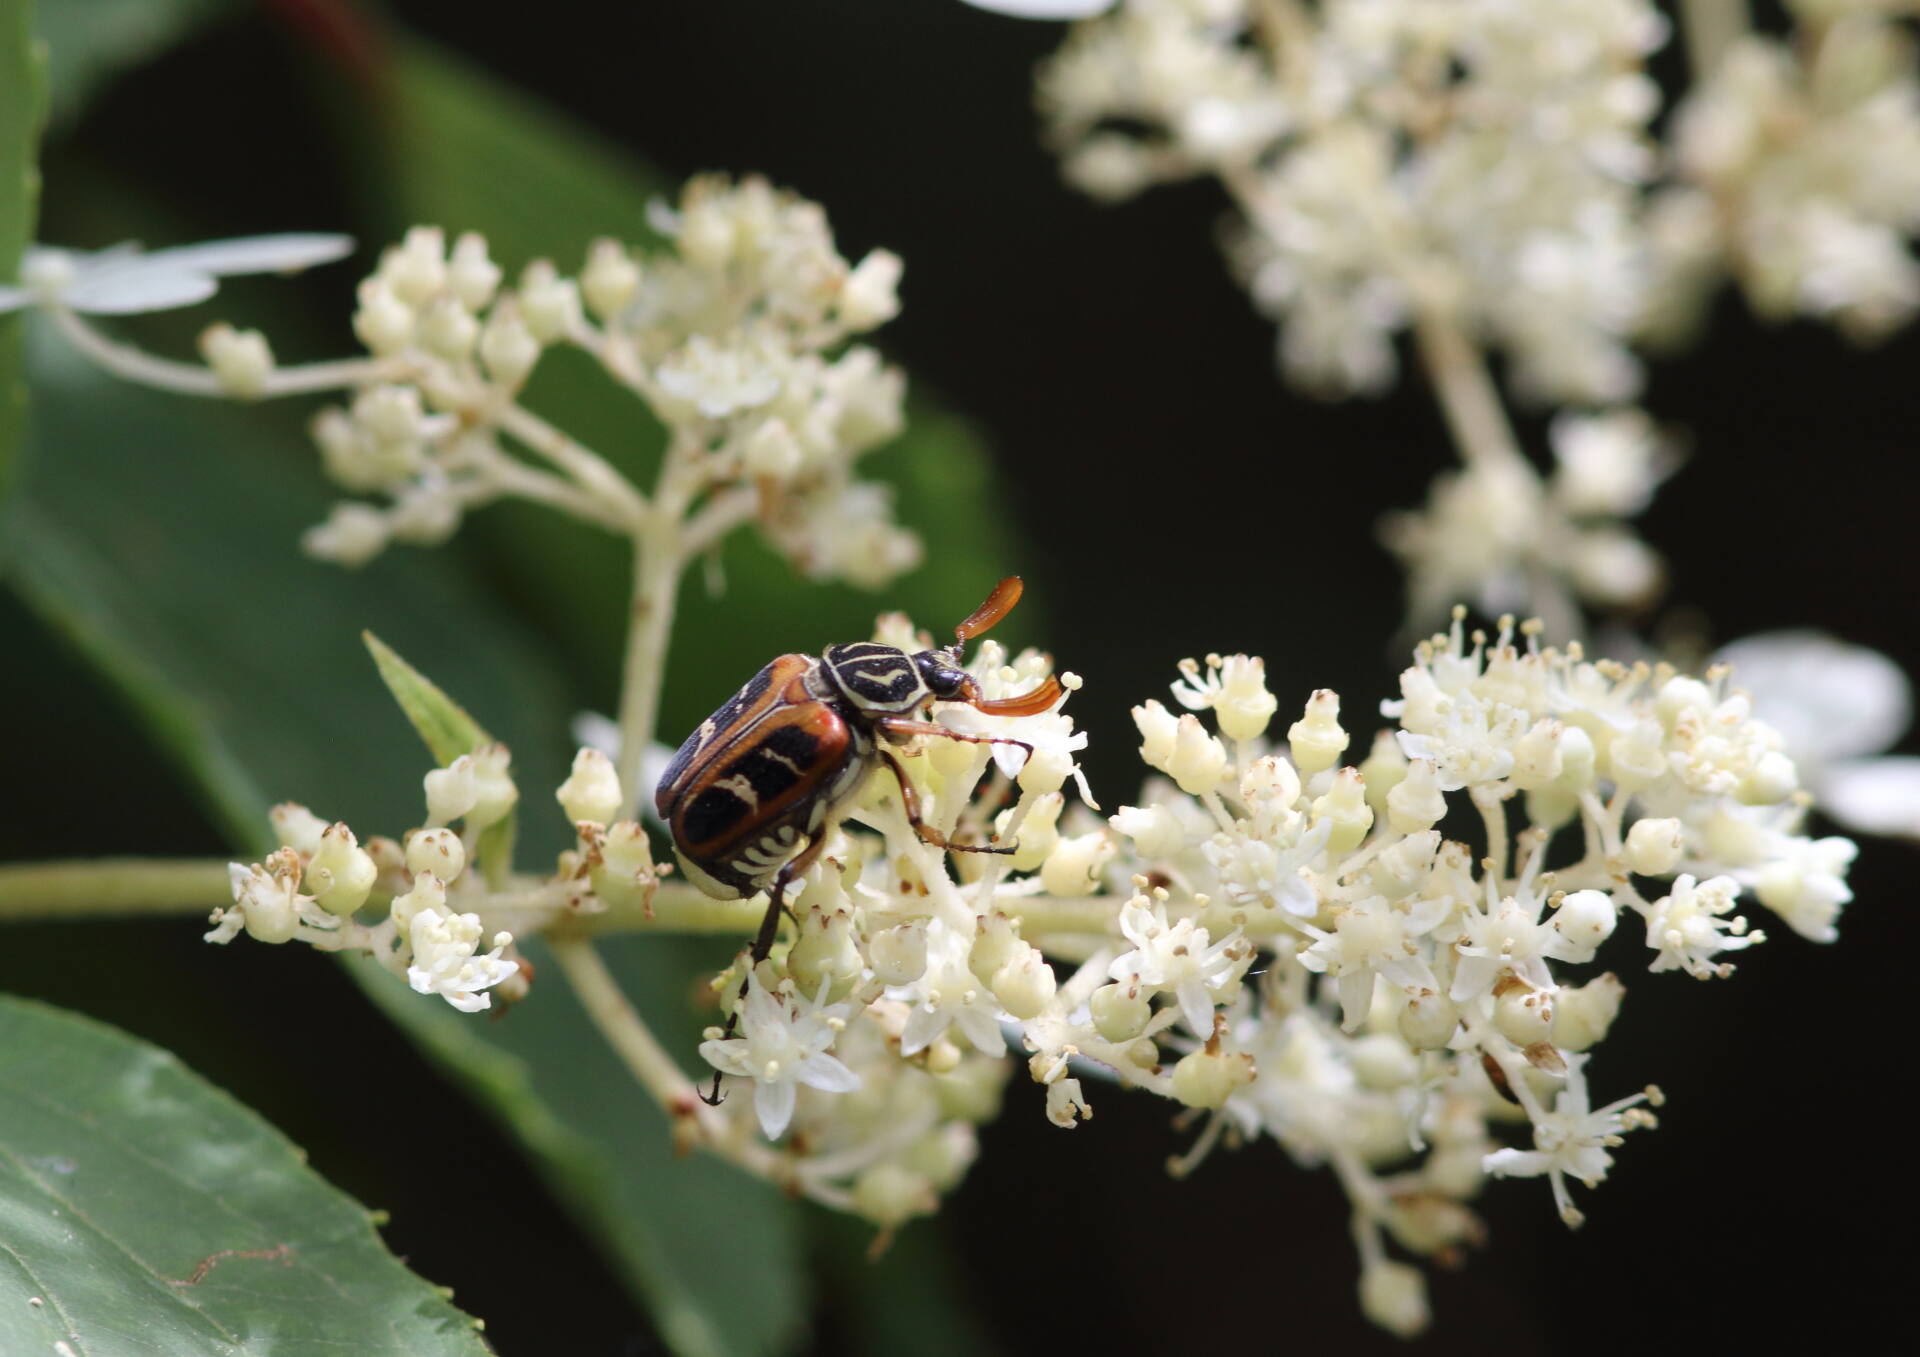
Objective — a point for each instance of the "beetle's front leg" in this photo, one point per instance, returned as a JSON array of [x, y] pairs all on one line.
[[911, 799]]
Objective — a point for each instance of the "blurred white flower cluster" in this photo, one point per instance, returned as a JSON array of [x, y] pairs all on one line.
[[1797, 171], [735, 337]]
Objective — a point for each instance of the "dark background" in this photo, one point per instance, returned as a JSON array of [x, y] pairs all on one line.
[[1172, 498]]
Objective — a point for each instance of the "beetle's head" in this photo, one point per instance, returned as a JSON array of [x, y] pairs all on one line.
[[945, 679]]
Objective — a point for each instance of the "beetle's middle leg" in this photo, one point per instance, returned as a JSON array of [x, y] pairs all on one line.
[[763, 944]]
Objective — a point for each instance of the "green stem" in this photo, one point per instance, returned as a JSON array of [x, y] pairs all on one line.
[[656, 580], [111, 888]]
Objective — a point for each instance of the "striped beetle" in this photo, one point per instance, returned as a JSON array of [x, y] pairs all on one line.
[[752, 795]]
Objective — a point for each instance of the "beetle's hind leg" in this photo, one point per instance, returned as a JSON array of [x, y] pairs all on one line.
[[763, 945]]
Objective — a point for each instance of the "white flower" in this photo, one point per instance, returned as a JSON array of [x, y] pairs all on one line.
[[445, 960], [1372, 938], [1571, 1140], [948, 993], [1685, 928], [1508, 935], [124, 280], [783, 1043], [1177, 957]]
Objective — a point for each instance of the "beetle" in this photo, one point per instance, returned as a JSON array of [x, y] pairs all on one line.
[[752, 795]]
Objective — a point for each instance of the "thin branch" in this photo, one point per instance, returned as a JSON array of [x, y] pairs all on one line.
[[193, 379], [588, 468], [111, 888]]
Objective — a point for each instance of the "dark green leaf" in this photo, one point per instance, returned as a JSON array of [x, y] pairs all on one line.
[[142, 1210]]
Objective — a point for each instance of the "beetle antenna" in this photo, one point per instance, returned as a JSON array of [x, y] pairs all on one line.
[[999, 603]]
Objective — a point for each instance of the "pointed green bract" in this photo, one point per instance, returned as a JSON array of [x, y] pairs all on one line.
[[137, 1199], [443, 723]]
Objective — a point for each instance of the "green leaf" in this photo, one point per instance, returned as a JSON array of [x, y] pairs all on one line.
[[22, 92], [142, 1210], [439, 720]]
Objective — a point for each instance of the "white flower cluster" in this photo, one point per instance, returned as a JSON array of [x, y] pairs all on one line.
[[1481, 159], [735, 337], [1303, 952], [401, 902], [1797, 168], [1500, 534]]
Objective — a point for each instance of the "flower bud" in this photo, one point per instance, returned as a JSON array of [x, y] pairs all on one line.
[[382, 321], [825, 954], [1582, 1015], [592, 789], [1208, 1077], [1521, 1013], [970, 1092], [1417, 803], [1026, 984], [240, 359], [1551, 807], [1771, 780], [1316, 740], [1537, 760], [1401, 869], [889, 1195], [1198, 759], [993, 946], [1578, 760], [1073, 868], [1679, 696], [1428, 1021], [451, 791], [471, 275], [416, 268], [772, 450], [898, 955], [1047, 770], [1158, 731], [1586, 919], [296, 827], [1384, 769], [507, 346], [1039, 832], [549, 304], [942, 1156], [427, 893], [391, 415], [1383, 1062], [1244, 706], [264, 895], [626, 870], [1394, 1296], [438, 851], [610, 278], [1655, 847], [448, 330], [494, 792], [1345, 804], [1156, 831], [1271, 784], [869, 295], [1120, 1011], [340, 874]]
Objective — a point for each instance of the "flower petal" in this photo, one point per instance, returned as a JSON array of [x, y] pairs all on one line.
[[129, 288], [285, 253], [1880, 796], [773, 1101], [1828, 699], [828, 1074]]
